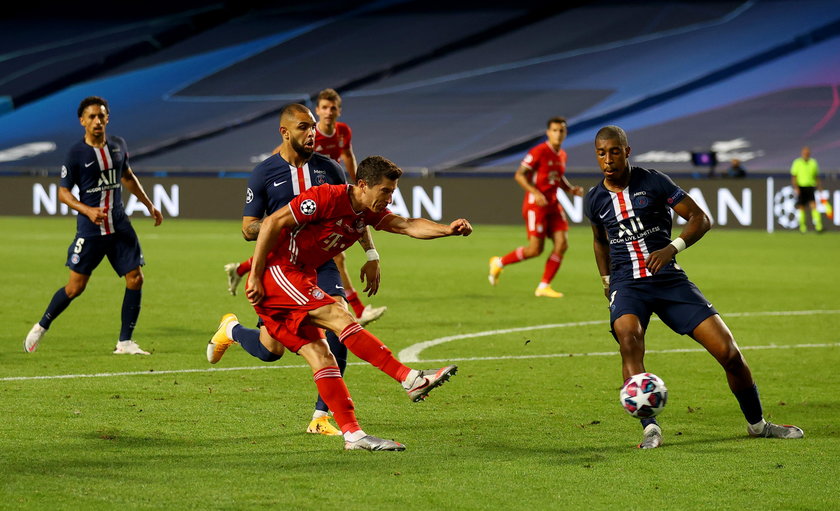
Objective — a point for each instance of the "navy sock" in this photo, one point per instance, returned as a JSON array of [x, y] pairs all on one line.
[[339, 350], [249, 339], [648, 422], [750, 404], [130, 312], [59, 302]]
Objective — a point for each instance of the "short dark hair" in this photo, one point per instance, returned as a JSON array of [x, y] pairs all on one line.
[[291, 109], [612, 133], [92, 100], [329, 95], [556, 120], [373, 168]]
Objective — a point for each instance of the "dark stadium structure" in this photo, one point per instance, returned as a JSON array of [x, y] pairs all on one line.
[[455, 88]]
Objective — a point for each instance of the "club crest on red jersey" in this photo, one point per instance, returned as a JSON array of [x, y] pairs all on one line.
[[316, 293]]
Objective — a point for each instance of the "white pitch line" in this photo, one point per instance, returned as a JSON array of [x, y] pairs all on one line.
[[412, 353], [461, 359], [466, 359]]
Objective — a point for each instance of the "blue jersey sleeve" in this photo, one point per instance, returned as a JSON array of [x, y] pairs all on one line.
[[672, 193], [256, 199], [587, 207], [336, 175], [70, 171]]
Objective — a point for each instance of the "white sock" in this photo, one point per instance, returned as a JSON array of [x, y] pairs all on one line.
[[758, 427], [319, 413], [543, 285], [354, 436], [229, 328], [409, 380]]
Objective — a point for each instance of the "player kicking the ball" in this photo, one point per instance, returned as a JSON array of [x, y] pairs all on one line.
[[630, 212], [292, 243]]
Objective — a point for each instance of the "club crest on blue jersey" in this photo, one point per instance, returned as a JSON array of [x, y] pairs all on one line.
[[308, 207], [640, 201]]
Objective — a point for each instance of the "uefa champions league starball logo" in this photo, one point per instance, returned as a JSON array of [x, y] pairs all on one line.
[[308, 207], [249, 196], [784, 208]]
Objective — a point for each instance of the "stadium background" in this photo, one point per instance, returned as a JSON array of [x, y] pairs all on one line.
[[448, 90]]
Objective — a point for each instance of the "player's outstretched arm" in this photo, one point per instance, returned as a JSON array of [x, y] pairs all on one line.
[[697, 224], [424, 229], [132, 184], [271, 228]]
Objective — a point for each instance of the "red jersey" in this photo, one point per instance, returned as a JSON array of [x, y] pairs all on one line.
[[334, 144], [326, 226], [548, 168]]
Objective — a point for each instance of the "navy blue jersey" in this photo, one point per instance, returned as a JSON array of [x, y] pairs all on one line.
[[97, 172], [275, 182], [637, 221]]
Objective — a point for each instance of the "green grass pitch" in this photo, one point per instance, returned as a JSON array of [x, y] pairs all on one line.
[[531, 421]]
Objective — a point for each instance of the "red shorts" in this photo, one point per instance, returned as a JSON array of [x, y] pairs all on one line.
[[542, 221], [289, 296]]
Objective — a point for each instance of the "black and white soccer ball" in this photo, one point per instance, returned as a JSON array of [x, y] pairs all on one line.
[[644, 395]]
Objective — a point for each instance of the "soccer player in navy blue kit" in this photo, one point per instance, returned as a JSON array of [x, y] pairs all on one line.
[[281, 177], [630, 212], [98, 165]]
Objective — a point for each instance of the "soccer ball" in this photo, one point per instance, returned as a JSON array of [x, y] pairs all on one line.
[[644, 395]]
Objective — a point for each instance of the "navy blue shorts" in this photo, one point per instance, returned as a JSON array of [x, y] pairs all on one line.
[[122, 248], [675, 299], [329, 279]]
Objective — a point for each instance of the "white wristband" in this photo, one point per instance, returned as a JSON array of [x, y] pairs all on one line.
[[605, 280], [372, 255], [678, 244]]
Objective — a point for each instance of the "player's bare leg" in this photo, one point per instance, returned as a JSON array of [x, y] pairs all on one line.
[[631, 341], [363, 344], [75, 286], [333, 390], [130, 313], [552, 264], [714, 335]]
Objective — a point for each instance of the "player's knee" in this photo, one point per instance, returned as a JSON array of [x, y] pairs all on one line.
[[134, 279], [732, 360], [74, 289]]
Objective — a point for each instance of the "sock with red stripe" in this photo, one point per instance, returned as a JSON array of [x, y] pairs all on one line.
[[243, 268], [552, 264], [367, 347], [332, 389], [358, 306], [514, 257]]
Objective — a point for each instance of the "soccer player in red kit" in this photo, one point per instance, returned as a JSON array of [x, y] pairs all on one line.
[[540, 174], [333, 139], [282, 286]]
